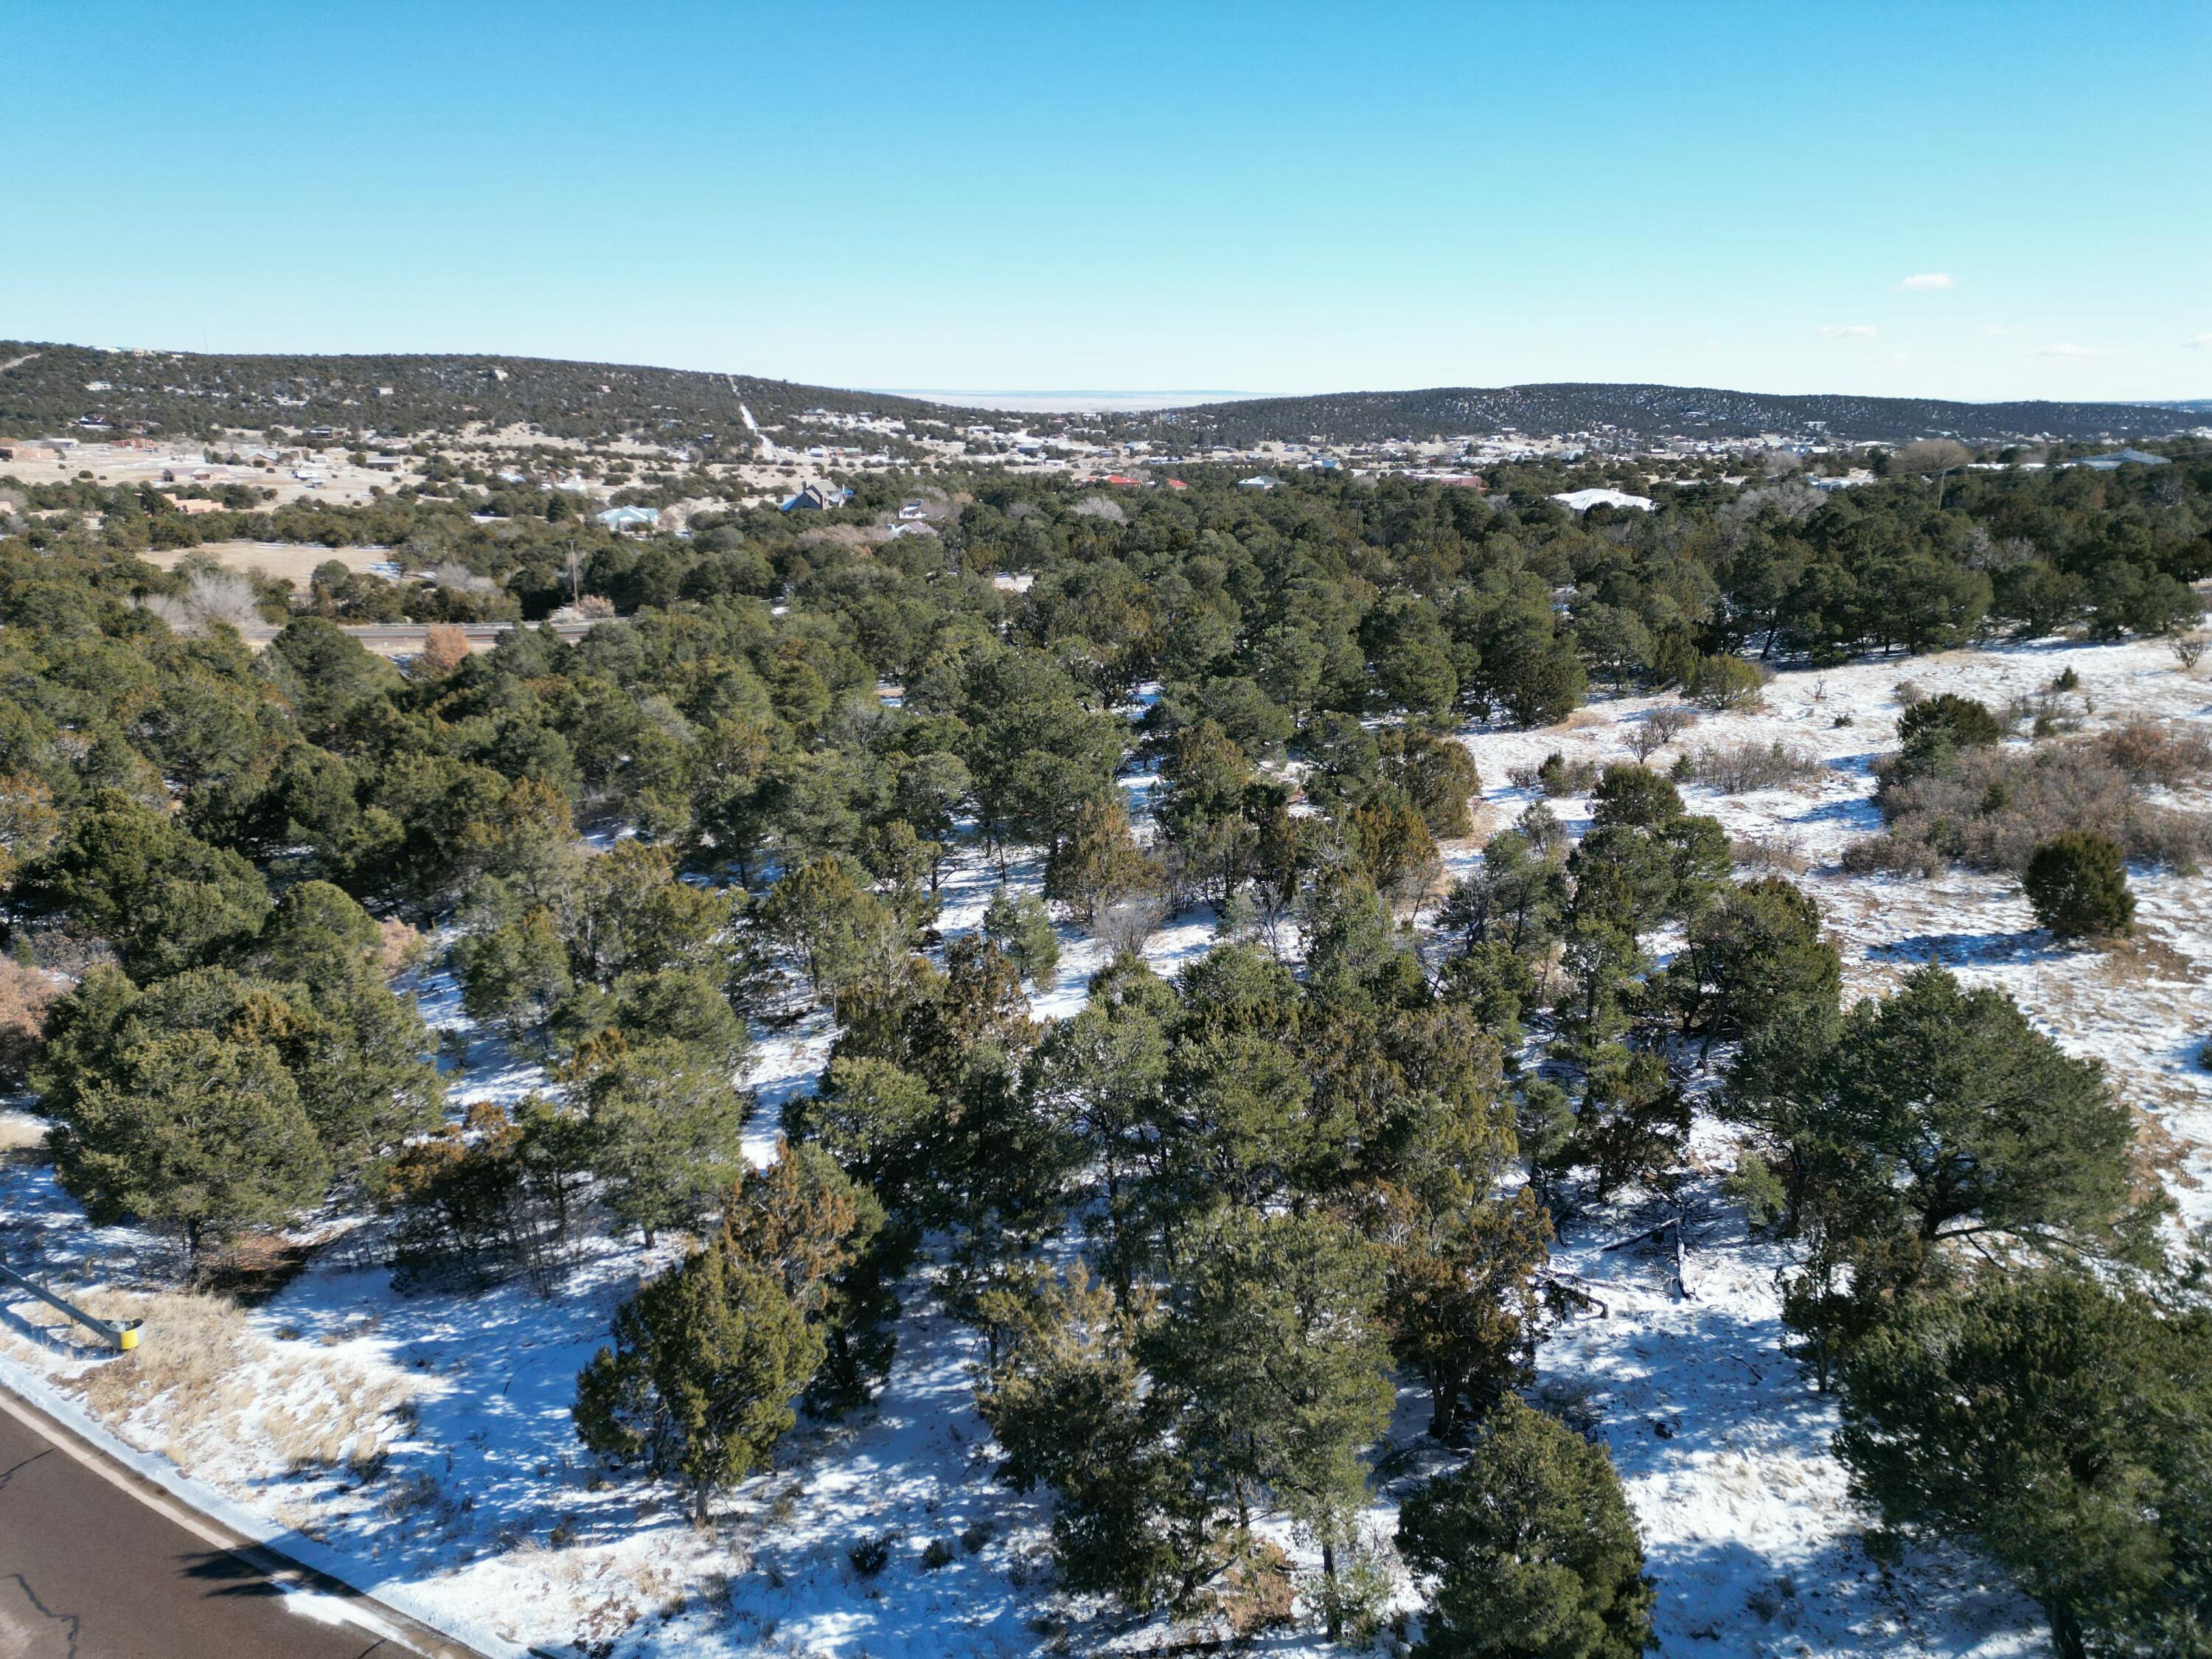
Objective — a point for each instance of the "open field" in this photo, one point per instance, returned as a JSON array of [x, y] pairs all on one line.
[[292, 562]]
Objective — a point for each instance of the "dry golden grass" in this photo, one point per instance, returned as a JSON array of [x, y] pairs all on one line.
[[21, 1133], [202, 1376], [188, 1348]]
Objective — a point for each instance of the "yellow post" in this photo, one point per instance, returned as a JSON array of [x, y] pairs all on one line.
[[127, 1339]]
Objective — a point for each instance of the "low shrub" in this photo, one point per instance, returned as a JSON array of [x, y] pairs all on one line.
[[1725, 682], [1659, 728], [1767, 855], [1736, 767], [1990, 808], [2150, 753], [1556, 776], [1891, 854]]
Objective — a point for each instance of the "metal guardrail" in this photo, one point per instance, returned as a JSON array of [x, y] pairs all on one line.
[[121, 1335]]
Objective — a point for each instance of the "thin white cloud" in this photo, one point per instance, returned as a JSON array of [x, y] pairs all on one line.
[[2201, 342], [1996, 329], [1930, 279], [1848, 331], [2067, 348]]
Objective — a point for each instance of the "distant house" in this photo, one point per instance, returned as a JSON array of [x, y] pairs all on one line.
[[816, 498], [1257, 481], [916, 508], [1177, 483], [629, 521], [1121, 478], [1580, 500], [2113, 460], [387, 463], [574, 483]]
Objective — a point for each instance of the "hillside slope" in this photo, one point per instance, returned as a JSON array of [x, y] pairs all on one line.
[[44, 388], [47, 387], [1647, 412]]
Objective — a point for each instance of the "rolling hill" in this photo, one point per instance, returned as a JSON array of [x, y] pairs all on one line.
[[45, 388], [1647, 412]]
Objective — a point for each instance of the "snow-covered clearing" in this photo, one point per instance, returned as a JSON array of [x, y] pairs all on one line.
[[460, 1493]]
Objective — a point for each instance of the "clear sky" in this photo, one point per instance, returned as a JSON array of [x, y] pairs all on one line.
[[1946, 198]]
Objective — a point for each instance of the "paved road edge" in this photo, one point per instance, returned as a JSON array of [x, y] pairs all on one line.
[[33, 1402]]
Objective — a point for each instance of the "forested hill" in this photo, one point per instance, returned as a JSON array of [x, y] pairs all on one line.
[[44, 388], [1645, 411]]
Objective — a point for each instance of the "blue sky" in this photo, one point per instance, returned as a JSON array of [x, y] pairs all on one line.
[[1948, 199]]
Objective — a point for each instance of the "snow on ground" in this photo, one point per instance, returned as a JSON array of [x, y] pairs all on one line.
[[484, 1512]]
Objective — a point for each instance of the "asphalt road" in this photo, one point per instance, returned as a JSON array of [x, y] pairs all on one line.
[[89, 1571]]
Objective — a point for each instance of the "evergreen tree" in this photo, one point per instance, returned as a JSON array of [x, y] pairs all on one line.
[[666, 1129], [1532, 1549], [163, 899], [1069, 1405], [806, 1224], [1201, 811], [2066, 1429], [1098, 1076], [1461, 1298], [631, 915], [837, 932], [193, 1130], [1941, 1114], [1754, 960], [1019, 926], [879, 1122], [698, 1383], [513, 965], [1099, 862], [1437, 775], [2078, 884], [1272, 1338]]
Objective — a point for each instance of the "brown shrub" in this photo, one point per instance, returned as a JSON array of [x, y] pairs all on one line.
[[25, 997], [1738, 767], [1769, 855], [1255, 1592], [1891, 854], [444, 648], [1991, 808], [2150, 753], [398, 946]]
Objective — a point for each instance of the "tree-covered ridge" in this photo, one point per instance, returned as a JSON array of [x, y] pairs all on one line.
[[1643, 412], [47, 387]]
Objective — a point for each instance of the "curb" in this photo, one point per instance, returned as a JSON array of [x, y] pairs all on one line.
[[379, 1619]]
